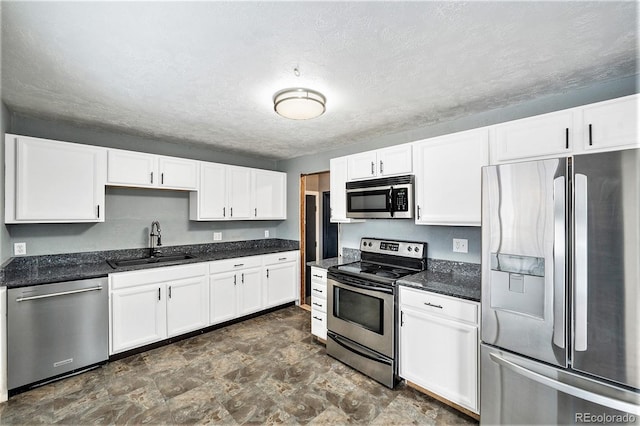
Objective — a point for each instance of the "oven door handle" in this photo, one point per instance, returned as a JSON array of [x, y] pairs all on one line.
[[367, 287], [359, 350]]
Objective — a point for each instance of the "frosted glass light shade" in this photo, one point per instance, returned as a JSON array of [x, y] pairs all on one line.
[[299, 103]]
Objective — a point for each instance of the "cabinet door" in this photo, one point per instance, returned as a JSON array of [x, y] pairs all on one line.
[[362, 166], [138, 317], [178, 173], [211, 198], [441, 356], [250, 284], [611, 124], [280, 283], [55, 181], [338, 194], [131, 168], [223, 290], [187, 305], [239, 193], [448, 178], [543, 135], [395, 160], [269, 194]]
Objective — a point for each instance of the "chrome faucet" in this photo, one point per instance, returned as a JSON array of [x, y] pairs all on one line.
[[153, 251]]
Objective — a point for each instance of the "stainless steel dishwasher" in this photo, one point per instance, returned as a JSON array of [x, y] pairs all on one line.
[[56, 329]]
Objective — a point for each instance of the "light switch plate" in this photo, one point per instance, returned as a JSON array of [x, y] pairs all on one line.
[[266, 233], [460, 245], [19, 249], [217, 236]]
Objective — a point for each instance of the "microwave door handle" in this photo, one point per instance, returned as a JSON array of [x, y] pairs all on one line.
[[390, 205]]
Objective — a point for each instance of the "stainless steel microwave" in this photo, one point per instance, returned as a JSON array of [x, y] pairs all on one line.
[[385, 198]]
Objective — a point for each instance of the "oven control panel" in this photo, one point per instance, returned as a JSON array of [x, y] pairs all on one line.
[[414, 249]]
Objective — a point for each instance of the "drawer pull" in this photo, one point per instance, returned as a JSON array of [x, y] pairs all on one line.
[[316, 304], [315, 317], [317, 276], [319, 291], [282, 258], [239, 264], [432, 305]]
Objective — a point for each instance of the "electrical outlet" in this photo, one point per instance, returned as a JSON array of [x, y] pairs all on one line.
[[266, 233], [19, 249], [460, 245], [217, 236]]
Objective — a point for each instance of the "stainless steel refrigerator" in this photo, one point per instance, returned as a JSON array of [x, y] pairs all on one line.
[[560, 290]]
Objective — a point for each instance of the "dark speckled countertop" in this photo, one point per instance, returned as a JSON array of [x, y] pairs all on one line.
[[456, 279], [33, 270]]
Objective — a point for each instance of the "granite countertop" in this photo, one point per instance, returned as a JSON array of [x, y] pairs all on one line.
[[456, 279], [33, 270], [325, 263]]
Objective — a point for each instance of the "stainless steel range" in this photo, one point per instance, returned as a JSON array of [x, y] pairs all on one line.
[[361, 305]]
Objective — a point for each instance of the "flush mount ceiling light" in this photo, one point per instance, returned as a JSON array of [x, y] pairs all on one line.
[[298, 103]]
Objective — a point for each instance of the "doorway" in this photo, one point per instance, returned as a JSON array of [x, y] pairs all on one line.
[[318, 236]]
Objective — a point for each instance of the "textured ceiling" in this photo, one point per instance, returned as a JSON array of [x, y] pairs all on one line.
[[205, 72]]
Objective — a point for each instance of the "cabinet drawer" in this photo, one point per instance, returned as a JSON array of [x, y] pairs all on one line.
[[436, 304], [318, 304], [234, 264], [287, 256], [319, 324], [156, 275], [318, 290], [319, 275]]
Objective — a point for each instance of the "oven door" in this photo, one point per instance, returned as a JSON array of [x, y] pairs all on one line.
[[363, 312]]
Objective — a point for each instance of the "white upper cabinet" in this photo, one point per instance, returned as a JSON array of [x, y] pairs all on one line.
[[269, 194], [51, 181], [543, 135], [129, 168], [338, 191], [611, 124], [448, 178], [391, 161], [238, 193], [178, 173]]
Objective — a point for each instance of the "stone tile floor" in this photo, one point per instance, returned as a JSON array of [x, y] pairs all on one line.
[[265, 370]]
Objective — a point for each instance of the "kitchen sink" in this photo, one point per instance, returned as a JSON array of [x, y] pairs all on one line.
[[148, 260]]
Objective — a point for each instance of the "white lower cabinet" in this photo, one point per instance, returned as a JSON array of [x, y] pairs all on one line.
[[141, 311], [319, 302], [250, 291], [438, 345], [281, 278]]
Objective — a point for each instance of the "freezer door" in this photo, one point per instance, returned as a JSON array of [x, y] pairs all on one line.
[[606, 281], [517, 390], [524, 217]]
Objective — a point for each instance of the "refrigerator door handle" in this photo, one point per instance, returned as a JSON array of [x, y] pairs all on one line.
[[581, 269], [559, 261], [565, 388]]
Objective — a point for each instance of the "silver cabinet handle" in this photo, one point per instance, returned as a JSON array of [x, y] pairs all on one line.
[[242, 278], [161, 178], [373, 165], [62, 293], [169, 292], [158, 293], [231, 208], [381, 167], [559, 212], [316, 304], [418, 212], [282, 258], [401, 318], [317, 276], [432, 305], [224, 212], [98, 206], [151, 177], [315, 317], [583, 394], [581, 268], [235, 278], [267, 273], [319, 291], [238, 265], [255, 212]]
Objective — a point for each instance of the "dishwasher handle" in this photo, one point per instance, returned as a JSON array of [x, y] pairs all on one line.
[[62, 293]]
